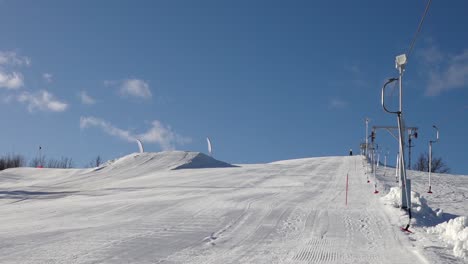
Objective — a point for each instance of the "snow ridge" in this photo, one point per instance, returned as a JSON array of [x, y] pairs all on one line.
[[172, 160]]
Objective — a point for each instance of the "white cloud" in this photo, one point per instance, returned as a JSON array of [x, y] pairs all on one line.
[[158, 133], [431, 55], [336, 103], [131, 87], [451, 76], [86, 99], [135, 87], [107, 127], [11, 58], [47, 77], [163, 135], [43, 101], [12, 81]]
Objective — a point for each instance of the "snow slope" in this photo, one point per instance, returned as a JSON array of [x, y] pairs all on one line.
[[141, 209], [442, 213]]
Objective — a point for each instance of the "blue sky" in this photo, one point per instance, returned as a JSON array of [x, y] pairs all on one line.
[[265, 80]]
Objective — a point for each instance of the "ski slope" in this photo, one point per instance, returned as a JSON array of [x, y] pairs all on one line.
[[185, 207]]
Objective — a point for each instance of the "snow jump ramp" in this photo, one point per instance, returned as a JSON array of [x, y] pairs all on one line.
[[166, 160]]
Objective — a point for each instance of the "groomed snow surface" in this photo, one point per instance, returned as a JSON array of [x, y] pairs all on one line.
[[186, 207]]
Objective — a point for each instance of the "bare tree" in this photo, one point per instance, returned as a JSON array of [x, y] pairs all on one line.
[[38, 162], [12, 161], [437, 166], [422, 163], [95, 162], [63, 163]]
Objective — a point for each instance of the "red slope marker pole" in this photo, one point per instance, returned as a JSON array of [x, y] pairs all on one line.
[[375, 181], [346, 202]]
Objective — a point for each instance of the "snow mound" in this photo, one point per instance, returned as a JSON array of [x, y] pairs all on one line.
[[393, 197], [423, 214], [166, 160], [455, 233], [200, 161], [418, 203]]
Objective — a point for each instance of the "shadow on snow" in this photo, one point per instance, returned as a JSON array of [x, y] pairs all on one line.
[[24, 195]]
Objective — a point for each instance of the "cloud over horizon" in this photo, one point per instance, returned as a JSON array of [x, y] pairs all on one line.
[[42, 101], [158, 133]]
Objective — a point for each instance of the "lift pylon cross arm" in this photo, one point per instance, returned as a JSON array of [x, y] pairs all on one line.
[[392, 129]]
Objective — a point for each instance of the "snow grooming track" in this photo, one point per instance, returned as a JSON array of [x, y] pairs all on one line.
[[301, 233], [178, 227], [258, 231], [266, 237], [320, 245], [203, 253], [340, 234], [139, 210], [321, 250]]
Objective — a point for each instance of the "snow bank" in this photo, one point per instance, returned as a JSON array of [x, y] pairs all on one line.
[[423, 214], [455, 233], [393, 197], [418, 203]]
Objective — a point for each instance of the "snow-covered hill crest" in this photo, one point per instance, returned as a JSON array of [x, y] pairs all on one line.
[[166, 160], [186, 207]]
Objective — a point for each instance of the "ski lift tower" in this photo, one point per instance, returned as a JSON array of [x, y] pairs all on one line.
[[400, 63], [390, 130], [411, 134]]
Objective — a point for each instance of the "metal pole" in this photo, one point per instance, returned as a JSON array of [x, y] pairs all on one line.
[[430, 165], [430, 157], [409, 152], [367, 139], [385, 161], [378, 158], [404, 199], [397, 167], [400, 62], [400, 71], [375, 178]]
